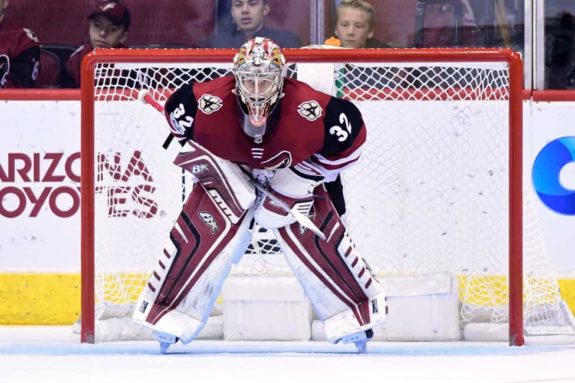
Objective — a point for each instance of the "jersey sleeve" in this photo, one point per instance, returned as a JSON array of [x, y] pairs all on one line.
[[70, 77], [180, 111], [344, 136], [26, 67]]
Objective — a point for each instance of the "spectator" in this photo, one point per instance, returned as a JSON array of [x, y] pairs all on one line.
[[560, 52], [355, 26], [248, 20], [109, 24], [19, 53], [448, 23]]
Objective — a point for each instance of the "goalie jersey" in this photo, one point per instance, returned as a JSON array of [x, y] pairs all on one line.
[[317, 134]]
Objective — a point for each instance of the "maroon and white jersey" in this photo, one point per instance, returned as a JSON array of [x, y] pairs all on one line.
[[314, 133], [19, 56], [71, 77], [74, 65]]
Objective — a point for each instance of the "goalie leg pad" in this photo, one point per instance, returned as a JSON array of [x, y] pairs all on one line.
[[222, 179], [199, 254], [339, 284]]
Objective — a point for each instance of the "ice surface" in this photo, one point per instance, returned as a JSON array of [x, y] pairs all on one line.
[[54, 354]]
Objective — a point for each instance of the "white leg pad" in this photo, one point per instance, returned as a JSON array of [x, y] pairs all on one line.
[[186, 282], [181, 325], [345, 323], [335, 278]]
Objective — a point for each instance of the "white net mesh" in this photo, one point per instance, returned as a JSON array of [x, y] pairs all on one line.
[[429, 195]]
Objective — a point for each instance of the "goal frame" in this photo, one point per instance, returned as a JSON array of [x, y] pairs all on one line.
[[426, 55]]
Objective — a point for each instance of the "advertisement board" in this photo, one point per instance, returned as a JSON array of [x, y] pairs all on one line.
[[40, 198]]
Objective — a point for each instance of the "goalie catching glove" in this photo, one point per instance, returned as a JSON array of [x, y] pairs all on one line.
[[295, 190]]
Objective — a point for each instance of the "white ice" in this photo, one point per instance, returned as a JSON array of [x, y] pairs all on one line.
[[54, 354]]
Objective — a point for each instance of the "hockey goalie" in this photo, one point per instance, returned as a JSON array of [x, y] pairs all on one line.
[[261, 147]]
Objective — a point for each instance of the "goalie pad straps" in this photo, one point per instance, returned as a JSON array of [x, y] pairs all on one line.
[[344, 294], [222, 179], [186, 281]]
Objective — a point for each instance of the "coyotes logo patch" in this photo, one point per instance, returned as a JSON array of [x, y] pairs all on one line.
[[281, 160], [209, 104], [310, 110]]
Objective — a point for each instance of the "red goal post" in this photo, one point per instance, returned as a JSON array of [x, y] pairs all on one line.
[[100, 62]]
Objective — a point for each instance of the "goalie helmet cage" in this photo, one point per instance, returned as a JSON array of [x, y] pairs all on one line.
[[401, 90]]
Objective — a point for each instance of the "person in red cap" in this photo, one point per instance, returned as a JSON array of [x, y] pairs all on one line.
[[109, 25], [19, 53]]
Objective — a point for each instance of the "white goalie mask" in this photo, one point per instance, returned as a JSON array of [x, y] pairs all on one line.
[[259, 72]]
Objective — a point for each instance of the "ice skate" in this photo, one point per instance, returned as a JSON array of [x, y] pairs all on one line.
[[165, 339], [360, 340]]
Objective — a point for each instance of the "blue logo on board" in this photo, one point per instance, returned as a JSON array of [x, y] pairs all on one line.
[[545, 174]]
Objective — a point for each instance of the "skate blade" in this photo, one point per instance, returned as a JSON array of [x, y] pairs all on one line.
[[166, 340], [359, 339], [361, 347]]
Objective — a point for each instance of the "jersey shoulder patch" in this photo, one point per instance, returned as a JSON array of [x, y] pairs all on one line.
[[308, 102], [311, 110], [213, 94], [209, 103]]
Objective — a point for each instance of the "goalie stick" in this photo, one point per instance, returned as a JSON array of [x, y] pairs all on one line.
[[300, 218], [145, 97]]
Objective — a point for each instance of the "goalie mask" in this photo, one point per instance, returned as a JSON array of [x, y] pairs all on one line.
[[259, 72]]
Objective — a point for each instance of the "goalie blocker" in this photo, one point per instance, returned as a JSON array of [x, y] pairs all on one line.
[[212, 233]]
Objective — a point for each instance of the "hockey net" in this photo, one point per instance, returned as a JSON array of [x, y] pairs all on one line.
[[438, 190]]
